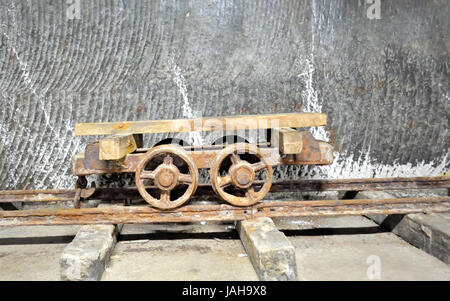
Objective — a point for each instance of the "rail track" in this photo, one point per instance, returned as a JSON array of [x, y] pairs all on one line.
[[132, 193], [141, 212]]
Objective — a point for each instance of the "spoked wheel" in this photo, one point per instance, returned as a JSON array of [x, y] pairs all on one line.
[[234, 173], [168, 167]]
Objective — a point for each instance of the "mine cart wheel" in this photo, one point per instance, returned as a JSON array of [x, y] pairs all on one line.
[[245, 164], [168, 167]]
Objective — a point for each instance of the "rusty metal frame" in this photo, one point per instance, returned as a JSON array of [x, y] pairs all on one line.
[[222, 212], [88, 163]]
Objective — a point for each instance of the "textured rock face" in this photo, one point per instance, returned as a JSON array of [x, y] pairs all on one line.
[[383, 83]]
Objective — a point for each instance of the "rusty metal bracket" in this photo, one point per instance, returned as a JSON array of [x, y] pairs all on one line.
[[80, 184]]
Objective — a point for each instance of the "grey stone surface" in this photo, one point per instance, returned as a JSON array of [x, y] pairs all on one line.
[[30, 262], [30, 233], [281, 223], [309, 223], [357, 257], [180, 260], [383, 82], [86, 256], [207, 227], [429, 232], [351, 257], [319, 257], [270, 252]]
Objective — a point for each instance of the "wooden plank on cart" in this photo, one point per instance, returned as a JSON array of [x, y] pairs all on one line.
[[287, 140], [202, 124], [117, 147]]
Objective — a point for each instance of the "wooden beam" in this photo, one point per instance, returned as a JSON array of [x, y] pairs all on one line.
[[116, 147], [287, 140], [202, 124]]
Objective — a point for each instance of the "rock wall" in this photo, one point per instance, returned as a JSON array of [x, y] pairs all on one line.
[[384, 83]]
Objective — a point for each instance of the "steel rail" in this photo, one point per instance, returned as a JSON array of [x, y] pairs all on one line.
[[222, 212], [120, 194]]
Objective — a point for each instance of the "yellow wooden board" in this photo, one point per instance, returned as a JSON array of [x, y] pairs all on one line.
[[116, 147], [202, 124], [287, 140]]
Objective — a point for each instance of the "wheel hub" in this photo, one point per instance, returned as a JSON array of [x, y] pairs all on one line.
[[166, 177], [242, 175]]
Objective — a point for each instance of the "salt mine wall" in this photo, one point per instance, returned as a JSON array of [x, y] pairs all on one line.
[[378, 69]]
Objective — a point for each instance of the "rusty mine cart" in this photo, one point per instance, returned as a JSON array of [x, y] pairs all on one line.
[[167, 175]]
